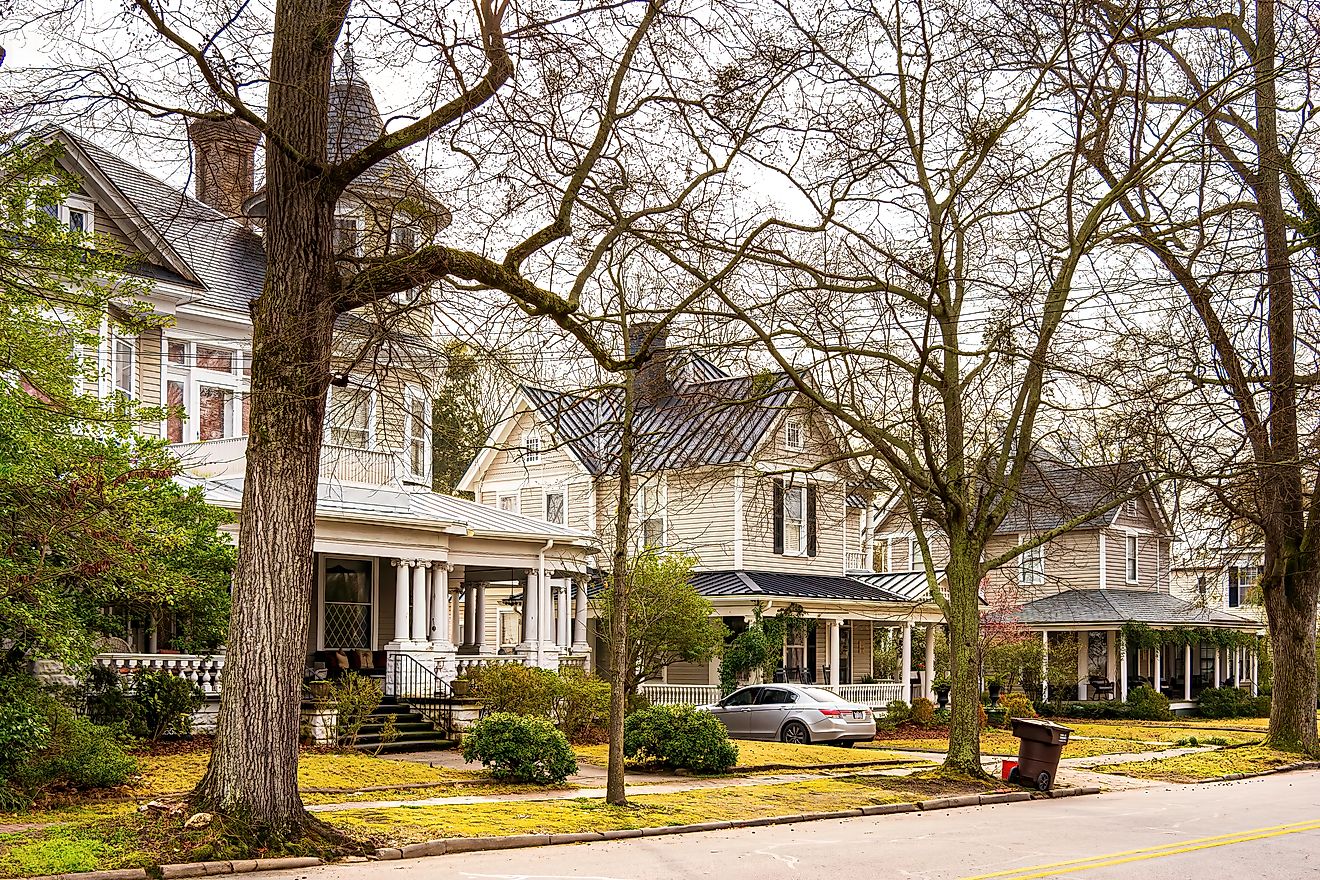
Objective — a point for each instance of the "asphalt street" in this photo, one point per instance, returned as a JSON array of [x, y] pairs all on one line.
[[1259, 828]]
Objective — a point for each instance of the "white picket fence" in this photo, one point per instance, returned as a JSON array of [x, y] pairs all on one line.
[[877, 695], [205, 672]]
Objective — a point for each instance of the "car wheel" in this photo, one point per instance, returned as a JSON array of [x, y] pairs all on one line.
[[795, 732]]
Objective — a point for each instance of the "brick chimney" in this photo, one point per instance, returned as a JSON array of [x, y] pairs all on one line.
[[224, 158], [653, 382]]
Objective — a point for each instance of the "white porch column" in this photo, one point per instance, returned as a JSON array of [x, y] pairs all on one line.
[[419, 607], [455, 610], [580, 616], [402, 573], [1045, 665], [1237, 666], [469, 618], [832, 630], [1187, 672], [1255, 672], [1083, 664], [928, 682], [907, 662], [1122, 667], [566, 613], [1158, 651], [1219, 675], [1111, 658], [531, 597], [545, 630], [440, 607], [480, 639]]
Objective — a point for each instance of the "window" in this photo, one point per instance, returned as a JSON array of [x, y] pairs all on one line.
[[914, 554], [1031, 566], [1241, 578], [1202, 586], [175, 401], [347, 240], [123, 366], [215, 419], [532, 449], [881, 556], [350, 417], [178, 353], [653, 532], [1130, 507], [419, 434], [79, 221], [221, 360], [775, 697], [554, 508], [795, 521], [1131, 559], [653, 514], [793, 435], [508, 503], [348, 589], [403, 239]]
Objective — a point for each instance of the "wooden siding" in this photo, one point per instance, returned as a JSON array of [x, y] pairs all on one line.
[[862, 657], [688, 673]]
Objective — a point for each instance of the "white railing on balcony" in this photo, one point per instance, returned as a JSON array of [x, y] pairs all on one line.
[[205, 672], [465, 663], [680, 694], [345, 464], [370, 467], [856, 560], [877, 695], [213, 458]]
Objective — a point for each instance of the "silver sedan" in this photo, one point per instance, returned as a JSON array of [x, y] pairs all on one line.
[[793, 713]]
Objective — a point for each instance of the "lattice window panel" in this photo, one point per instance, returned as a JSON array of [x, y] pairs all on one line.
[[348, 626]]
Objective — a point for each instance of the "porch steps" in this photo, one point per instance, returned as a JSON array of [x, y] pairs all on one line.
[[415, 733]]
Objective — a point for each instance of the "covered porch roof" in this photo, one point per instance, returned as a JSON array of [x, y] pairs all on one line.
[[1110, 609], [829, 593]]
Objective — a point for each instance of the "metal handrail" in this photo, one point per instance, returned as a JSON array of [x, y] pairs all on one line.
[[412, 682]]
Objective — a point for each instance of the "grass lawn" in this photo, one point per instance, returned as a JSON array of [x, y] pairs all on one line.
[[177, 773], [753, 753], [1204, 765], [1090, 740], [1146, 732], [412, 824]]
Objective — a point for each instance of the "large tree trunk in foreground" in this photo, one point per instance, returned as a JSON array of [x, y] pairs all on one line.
[[615, 791], [1290, 605], [963, 577], [252, 776]]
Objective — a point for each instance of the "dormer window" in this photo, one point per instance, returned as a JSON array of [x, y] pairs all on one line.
[[532, 449], [793, 439], [77, 213]]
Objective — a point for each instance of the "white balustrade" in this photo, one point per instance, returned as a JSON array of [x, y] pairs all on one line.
[[681, 694], [205, 672], [465, 663], [856, 560], [877, 695]]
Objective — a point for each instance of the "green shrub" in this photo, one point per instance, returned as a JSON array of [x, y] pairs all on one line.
[[24, 724], [355, 697], [923, 712], [80, 754], [163, 703], [520, 749], [580, 704], [679, 737], [898, 711], [104, 695], [514, 688], [1260, 706], [1147, 704], [1017, 706], [1227, 702]]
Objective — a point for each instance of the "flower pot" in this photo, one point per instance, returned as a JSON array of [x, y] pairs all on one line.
[[942, 695], [994, 694], [462, 687]]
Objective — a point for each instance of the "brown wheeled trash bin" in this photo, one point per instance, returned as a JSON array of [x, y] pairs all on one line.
[[1039, 751]]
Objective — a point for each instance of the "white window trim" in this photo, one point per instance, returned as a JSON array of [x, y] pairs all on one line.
[[517, 501], [801, 550], [1132, 558], [562, 492], [1037, 572], [789, 426], [115, 341], [320, 597], [194, 377], [371, 420], [533, 446], [412, 394]]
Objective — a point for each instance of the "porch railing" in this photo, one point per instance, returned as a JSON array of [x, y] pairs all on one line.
[[205, 672], [877, 695], [347, 464], [409, 680], [856, 560], [572, 661], [681, 694], [465, 663]]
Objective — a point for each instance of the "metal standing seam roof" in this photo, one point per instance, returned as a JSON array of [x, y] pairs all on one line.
[[789, 586], [1124, 606], [910, 586], [366, 503], [705, 422]]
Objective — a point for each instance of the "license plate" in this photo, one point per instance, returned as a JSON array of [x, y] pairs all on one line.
[[857, 714]]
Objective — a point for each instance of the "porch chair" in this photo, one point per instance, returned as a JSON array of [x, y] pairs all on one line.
[[1102, 686]]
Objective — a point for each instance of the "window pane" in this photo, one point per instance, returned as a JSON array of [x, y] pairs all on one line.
[[178, 353], [350, 417], [218, 359], [793, 505], [212, 404], [346, 236], [124, 366], [554, 508], [174, 421], [247, 412], [78, 222], [348, 580]]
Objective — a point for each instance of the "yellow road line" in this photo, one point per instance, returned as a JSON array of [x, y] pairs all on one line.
[[1154, 852]]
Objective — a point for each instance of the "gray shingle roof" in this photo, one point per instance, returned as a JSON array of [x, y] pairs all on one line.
[[705, 422], [1124, 606], [1054, 493], [226, 256], [789, 586]]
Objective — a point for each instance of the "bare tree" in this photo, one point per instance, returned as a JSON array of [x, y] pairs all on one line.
[[1231, 231], [566, 130]]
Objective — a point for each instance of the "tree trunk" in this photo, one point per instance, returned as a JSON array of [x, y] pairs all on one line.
[[963, 578], [252, 775], [615, 792], [1290, 606]]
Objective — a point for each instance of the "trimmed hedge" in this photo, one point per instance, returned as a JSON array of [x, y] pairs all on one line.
[[520, 749], [679, 737], [1231, 702]]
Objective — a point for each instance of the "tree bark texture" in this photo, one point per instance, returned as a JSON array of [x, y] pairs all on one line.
[[962, 577], [615, 792], [252, 775]]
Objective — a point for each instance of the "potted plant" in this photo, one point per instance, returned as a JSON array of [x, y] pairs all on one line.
[[941, 685], [461, 686], [994, 685]]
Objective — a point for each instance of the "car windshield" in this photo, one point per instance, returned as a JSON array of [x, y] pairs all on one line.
[[823, 696]]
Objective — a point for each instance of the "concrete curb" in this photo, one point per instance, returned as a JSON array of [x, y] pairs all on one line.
[[452, 845], [1286, 768], [194, 869]]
